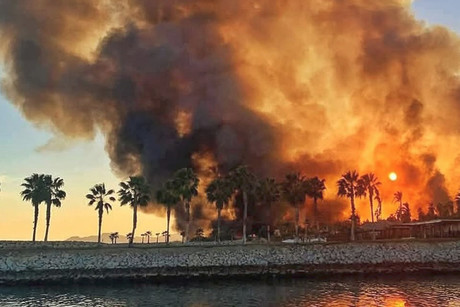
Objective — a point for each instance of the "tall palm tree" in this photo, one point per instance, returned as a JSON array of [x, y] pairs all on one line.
[[348, 186], [315, 190], [168, 197], [34, 192], [243, 180], [219, 191], [369, 185], [378, 211], [54, 196], [295, 188], [186, 186], [268, 191], [398, 198], [99, 196], [135, 193]]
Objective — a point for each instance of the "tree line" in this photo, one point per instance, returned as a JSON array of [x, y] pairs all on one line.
[[183, 187]]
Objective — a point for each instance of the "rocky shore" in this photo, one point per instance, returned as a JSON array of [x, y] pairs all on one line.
[[24, 262]]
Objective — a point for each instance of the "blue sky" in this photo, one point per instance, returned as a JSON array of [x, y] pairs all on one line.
[[79, 162]]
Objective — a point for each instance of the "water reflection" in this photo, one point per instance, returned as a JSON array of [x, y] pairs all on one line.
[[356, 291]]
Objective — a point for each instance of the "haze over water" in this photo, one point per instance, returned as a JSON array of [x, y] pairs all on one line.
[[389, 291]]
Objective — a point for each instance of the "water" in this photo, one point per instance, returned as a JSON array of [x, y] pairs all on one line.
[[351, 291]]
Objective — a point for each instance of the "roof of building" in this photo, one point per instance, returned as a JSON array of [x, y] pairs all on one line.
[[379, 225], [437, 221], [384, 224]]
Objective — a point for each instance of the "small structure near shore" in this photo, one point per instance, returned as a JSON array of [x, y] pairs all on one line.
[[438, 228]]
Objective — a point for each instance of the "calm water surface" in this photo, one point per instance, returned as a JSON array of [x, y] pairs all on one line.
[[356, 291]]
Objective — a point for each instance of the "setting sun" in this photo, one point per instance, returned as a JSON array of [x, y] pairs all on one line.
[[393, 176]]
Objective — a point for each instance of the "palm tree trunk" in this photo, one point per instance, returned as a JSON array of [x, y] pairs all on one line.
[[218, 224], [315, 213], [353, 219], [245, 215], [48, 218], [35, 221], [131, 240], [268, 233], [371, 201], [168, 217], [187, 227], [269, 206], [297, 214], [100, 226]]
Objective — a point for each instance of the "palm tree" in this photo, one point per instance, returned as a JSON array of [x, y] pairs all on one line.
[[369, 185], [348, 186], [315, 190], [99, 196], [268, 191], [54, 196], [295, 190], [130, 237], [378, 211], [165, 234], [134, 192], [243, 181], [168, 196], [186, 187], [148, 234], [398, 198], [143, 235], [33, 192], [157, 234], [219, 191], [114, 236]]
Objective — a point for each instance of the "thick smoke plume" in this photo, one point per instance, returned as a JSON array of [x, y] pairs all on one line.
[[319, 86]]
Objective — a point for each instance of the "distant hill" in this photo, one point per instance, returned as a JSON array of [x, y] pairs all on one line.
[[105, 239]]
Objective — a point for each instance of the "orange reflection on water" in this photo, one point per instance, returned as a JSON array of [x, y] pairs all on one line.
[[395, 302]]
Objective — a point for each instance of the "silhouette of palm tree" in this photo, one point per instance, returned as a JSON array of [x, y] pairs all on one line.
[[219, 191], [369, 185], [243, 181], [54, 196], [34, 191], [113, 237], [398, 198], [169, 197], [148, 234], [186, 186], [157, 234], [315, 190], [268, 191], [99, 196], [295, 188], [134, 192], [348, 186]]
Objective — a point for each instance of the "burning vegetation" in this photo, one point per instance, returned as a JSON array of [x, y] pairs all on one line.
[[310, 86]]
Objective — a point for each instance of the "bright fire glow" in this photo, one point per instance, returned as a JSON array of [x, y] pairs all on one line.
[[393, 176]]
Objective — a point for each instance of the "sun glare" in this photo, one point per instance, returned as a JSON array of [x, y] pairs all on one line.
[[393, 176]]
